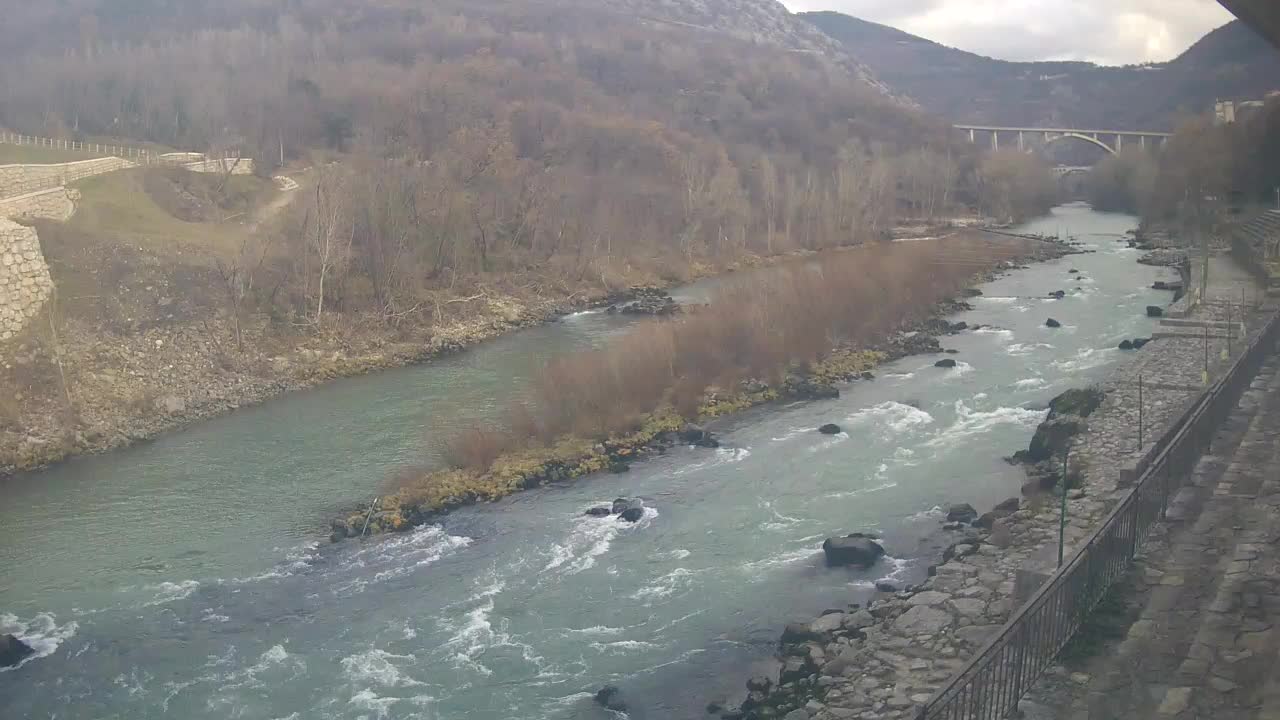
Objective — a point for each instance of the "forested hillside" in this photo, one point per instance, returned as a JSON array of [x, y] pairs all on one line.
[[478, 136], [1230, 63]]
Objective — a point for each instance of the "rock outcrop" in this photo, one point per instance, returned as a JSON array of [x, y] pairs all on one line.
[[855, 549], [13, 651]]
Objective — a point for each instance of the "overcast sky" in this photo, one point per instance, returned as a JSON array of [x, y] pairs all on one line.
[[1111, 32]]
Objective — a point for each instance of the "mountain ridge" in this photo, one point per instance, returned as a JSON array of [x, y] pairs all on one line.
[[1230, 62]]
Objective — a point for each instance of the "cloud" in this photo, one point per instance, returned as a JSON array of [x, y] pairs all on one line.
[[1111, 32]]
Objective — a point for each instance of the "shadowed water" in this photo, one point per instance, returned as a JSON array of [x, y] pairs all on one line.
[[184, 578]]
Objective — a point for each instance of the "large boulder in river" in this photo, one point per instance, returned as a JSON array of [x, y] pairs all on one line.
[[854, 549], [632, 514], [1064, 422], [1052, 323], [1126, 344], [805, 389], [945, 363], [621, 505], [599, 511], [610, 698], [829, 429], [961, 512], [1155, 311], [696, 435], [13, 651]]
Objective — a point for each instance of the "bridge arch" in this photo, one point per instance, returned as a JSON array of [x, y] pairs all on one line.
[[1086, 138]]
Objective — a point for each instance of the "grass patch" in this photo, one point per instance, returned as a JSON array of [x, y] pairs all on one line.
[[118, 204], [35, 155]]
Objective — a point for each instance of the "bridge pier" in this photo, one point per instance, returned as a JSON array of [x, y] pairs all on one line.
[[1020, 147]]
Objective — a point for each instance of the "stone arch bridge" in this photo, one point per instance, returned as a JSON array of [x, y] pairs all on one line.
[[1112, 141]]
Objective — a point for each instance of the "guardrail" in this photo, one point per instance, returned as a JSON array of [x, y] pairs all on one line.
[[990, 685]]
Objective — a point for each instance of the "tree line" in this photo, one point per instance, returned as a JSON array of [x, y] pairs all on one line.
[[453, 143], [1203, 172]]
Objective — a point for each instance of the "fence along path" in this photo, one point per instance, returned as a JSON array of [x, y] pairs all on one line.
[[990, 685], [25, 178]]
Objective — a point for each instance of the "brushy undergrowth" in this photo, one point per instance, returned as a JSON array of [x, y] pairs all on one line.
[[592, 409]]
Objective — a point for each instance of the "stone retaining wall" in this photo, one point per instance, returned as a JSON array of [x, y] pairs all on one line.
[[18, 180], [25, 283], [54, 204], [237, 166]]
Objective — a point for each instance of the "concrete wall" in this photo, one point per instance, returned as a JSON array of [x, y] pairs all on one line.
[[23, 179], [53, 204], [24, 278]]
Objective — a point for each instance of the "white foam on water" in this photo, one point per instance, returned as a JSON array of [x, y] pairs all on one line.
[[1030, 384], [792, 432], [861, 491], [624, 647], [41, 633], [980, 396], [379, 667], [897, 566], [1002, 334], [369, 700], [781, 559], [1086, 359], [931, 514], [679, 620], [677, 554], [891, 418], [590, 538], [477, 632], [213, 617], [594, 630], [296, 560], [431, 544], [973, 422], [780, 521], [961, 368], [1002, 299], [828, 442], [1027, 348], [665, 586], [169, 591]]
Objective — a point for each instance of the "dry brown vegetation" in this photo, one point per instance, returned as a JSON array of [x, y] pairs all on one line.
[[779, 321], [561, 141]]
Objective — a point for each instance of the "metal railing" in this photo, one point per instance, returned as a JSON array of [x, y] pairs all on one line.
[[990, 685]]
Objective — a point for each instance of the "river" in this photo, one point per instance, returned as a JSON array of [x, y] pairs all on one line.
[[187, 577]]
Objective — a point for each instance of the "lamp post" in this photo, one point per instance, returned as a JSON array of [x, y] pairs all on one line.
[[1062, 517]]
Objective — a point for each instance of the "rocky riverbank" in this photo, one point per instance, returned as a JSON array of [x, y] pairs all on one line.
[[887, 659], [571, 457], [92, 387]]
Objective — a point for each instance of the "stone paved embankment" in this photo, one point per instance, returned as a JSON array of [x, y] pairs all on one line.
[[885, 660]]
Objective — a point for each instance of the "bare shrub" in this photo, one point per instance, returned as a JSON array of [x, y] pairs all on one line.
[[477, 446], [761, 327]]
